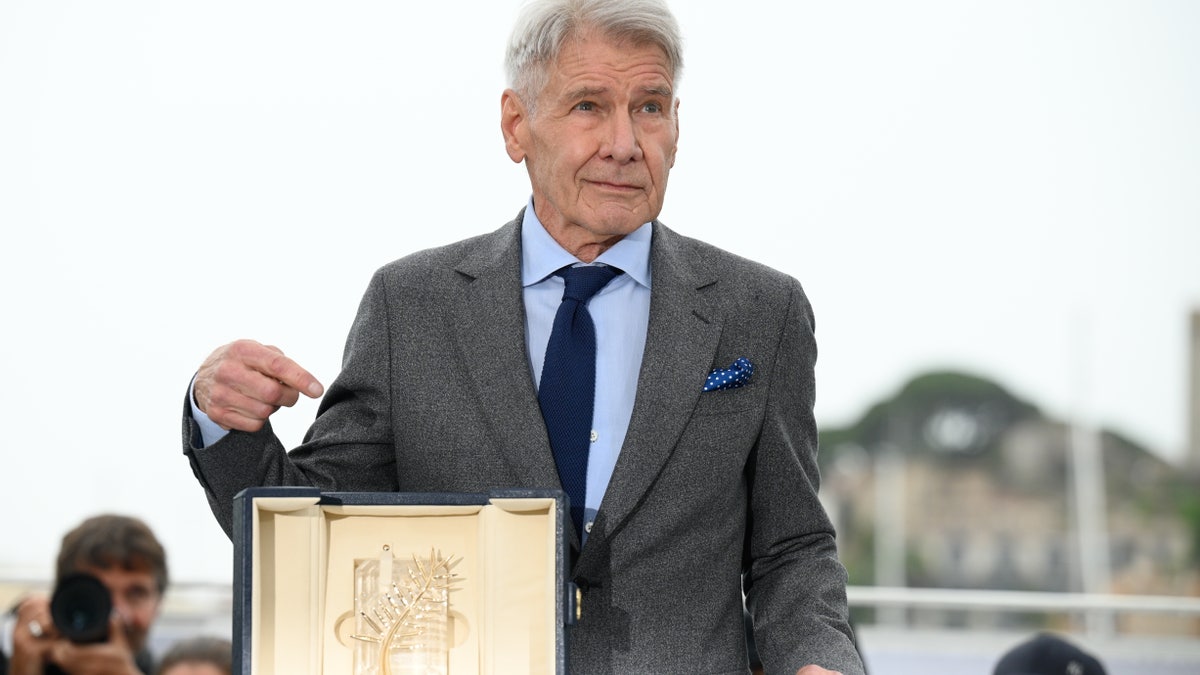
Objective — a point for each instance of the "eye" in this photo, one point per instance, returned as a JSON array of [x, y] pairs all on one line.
[[586, 106], [138, 595], [653, 108]]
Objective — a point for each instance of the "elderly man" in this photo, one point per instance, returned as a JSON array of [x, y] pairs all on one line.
[[130, 562], [665, 385]]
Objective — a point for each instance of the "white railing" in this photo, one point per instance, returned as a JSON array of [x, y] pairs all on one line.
[[1017, 601]]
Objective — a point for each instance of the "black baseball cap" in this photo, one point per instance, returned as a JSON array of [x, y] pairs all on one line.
[[1047, 654]]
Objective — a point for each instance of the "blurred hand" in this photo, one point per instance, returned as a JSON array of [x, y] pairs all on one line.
[[816, 670], [30, 651], [243, 383], [114, 657]]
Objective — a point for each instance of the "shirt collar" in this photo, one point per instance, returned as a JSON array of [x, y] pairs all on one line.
[[541, 256]]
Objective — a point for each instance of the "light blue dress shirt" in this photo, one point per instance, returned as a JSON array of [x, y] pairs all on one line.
[[621, 314]]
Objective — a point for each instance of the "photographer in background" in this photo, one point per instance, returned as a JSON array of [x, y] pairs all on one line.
[[198, 656], [130, 562]]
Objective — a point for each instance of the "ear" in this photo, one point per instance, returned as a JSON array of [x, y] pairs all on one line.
[[513, 118], [675, 147]]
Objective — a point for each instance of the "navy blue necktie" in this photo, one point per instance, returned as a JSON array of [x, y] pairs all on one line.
[[568, 388]]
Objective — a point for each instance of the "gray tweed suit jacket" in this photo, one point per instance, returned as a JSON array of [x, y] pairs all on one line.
[[711, 491]]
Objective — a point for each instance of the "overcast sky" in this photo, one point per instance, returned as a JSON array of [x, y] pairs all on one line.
[[1007, 188]]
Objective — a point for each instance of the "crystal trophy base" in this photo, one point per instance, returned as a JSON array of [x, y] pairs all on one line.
[[402, 614]]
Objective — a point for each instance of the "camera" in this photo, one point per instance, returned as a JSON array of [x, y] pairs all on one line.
[[80, 607]]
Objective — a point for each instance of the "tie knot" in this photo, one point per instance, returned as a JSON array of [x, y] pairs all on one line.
[[584, 282]]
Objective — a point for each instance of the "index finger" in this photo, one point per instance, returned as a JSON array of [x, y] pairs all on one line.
[[116, 631], [272, 362]]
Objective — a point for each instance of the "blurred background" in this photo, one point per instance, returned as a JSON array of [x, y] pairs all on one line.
[[994, 207]]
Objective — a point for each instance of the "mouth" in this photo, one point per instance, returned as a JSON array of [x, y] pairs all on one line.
[[614, 186]]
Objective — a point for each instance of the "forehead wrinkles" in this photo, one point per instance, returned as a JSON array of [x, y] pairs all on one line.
[[600, 65]]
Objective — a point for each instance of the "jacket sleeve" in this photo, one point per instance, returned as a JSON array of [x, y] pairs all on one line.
[[234, 463], [348, 447], [794, 582]]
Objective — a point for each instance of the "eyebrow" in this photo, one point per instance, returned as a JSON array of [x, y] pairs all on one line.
[[591, 92], [586, 92]]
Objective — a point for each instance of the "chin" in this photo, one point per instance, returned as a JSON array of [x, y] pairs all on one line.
[[621, 223], [136, 641]]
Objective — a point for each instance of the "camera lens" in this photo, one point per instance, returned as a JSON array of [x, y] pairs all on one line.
[[80, 608]]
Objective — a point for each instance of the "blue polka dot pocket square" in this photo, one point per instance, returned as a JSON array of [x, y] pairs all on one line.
[[736, 375]]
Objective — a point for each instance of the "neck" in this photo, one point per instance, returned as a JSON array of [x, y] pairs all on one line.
[[589, 251]]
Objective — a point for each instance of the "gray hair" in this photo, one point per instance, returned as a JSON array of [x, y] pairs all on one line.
[[544, 26]]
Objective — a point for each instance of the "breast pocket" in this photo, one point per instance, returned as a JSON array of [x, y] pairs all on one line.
[[719, 434], [729, 401]]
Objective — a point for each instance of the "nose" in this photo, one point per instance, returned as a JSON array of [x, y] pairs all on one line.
[[122, 607], [623, 144]]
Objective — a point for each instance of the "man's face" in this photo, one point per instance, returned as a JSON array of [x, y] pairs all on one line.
[[135, 598], [600, 142]]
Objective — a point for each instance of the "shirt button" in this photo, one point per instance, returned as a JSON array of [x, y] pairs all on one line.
[[587, 527], [594, 436]]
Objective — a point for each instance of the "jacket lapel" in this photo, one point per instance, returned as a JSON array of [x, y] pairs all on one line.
[[488, 324], [487, 321], [681, 343]]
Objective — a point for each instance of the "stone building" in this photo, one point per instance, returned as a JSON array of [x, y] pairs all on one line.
[[955, 483]]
